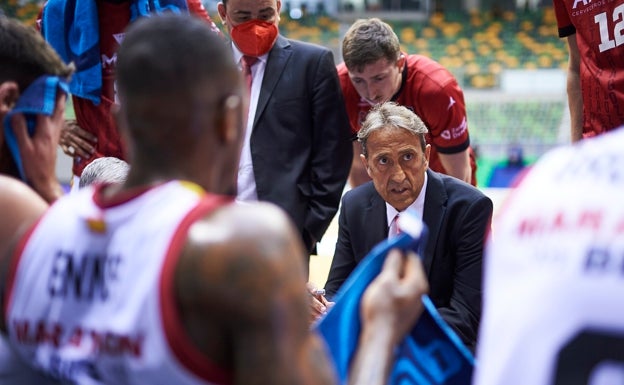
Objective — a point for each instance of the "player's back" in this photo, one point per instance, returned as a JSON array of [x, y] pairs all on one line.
[[554, 274], [91, 300]]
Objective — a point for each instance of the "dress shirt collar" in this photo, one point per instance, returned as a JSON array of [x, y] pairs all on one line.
[[238, 55]]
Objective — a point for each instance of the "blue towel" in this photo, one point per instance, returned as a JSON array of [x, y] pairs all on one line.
[[431, 354], [72, 28], [38, 99]]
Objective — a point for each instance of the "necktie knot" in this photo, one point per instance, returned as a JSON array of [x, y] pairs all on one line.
[[247, 62]]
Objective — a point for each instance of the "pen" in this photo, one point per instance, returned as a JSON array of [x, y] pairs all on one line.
[[318, 292]]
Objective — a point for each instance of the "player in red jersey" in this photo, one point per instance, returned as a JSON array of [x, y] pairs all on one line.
[[595, 35], [93, 134], [375, 71]]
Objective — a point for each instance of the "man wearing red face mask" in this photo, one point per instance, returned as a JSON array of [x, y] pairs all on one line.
[[297, 151]]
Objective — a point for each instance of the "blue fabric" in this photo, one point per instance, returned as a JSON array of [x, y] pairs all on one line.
[[431, 354], [38, 99], [72, 28]]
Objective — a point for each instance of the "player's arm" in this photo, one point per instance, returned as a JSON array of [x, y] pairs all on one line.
[[196, 7], [575, 97], [20, 207], [457, 165], [445, 116], [244, 300]]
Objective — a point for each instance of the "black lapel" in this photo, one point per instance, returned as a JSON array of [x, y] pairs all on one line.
[[276, 62], [434, 210]]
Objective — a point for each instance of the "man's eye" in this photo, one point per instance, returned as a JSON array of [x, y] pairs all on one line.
[[383, 160], [409, 156]]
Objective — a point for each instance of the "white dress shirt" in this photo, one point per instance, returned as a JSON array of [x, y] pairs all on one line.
[[246, 182]]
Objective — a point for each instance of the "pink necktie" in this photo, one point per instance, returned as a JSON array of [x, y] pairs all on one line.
[[246, 63], [394, 227]]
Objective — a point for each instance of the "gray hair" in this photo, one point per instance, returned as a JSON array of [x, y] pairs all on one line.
[[104, 170], [392, 115], [367, 41]]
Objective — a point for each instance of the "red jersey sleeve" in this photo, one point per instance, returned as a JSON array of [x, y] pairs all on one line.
[[437, 98], [445, 116], [196, 8], [564, 24]]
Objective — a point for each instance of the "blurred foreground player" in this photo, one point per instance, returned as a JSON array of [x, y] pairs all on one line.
[[554, 278]]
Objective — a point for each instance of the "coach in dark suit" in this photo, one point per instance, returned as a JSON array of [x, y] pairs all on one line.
[[457, 215], [297, 146]]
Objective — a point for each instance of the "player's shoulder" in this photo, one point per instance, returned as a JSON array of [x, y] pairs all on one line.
[[19, 205], [342, 70], [244, 233], [240, 254], [422, 69], [361, 194], [592, 159]]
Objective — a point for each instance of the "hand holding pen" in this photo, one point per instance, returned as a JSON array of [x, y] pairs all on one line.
[[319, 304]]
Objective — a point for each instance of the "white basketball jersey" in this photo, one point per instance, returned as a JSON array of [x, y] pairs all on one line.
[[554, 273], [91, 300]]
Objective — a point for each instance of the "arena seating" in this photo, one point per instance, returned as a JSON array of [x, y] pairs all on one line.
[[475, 46]]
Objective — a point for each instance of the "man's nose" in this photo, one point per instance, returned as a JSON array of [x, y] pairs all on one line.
[[373, 93], [366, 91], [397, 173]]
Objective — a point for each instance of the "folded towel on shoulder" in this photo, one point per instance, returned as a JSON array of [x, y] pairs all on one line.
[[72, 28]]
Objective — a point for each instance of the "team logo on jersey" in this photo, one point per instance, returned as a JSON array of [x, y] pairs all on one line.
[[451, 103], [119, 37], [582, 2], [96, 225], [458, 131], [110, 62]]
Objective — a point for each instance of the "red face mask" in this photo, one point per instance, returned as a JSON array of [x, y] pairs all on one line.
[[254, 37]]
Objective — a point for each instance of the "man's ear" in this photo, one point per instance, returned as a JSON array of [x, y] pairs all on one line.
[[9, 93], [427, 154], [401, 62], [365, 163], [222, 13]]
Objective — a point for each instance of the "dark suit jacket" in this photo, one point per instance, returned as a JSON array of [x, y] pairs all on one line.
[[300, 143], [458, 217]]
